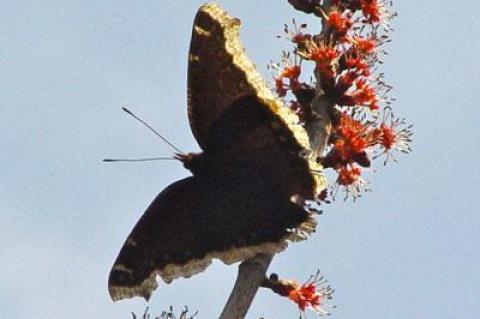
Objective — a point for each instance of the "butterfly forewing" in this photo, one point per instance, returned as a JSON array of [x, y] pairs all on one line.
[[220, 73]]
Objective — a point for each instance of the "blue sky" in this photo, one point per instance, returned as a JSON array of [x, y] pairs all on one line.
[[408, 250]]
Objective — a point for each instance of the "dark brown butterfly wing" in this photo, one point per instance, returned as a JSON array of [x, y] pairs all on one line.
[[250, 136], [220, 73], [197, 219], [208, 94]]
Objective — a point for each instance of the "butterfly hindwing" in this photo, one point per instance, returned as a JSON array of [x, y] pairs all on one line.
[[200, 218]]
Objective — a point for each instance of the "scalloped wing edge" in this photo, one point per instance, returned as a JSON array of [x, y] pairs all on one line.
[[173, 271]]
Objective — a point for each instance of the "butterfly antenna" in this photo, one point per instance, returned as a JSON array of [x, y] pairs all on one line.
[[146, 159], [152, 129]]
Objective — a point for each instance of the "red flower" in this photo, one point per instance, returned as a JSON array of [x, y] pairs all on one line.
[[358, 64], [374, 11], [324, 57], [292, 73], [280, 87], [349, 149], [305, 296], [341, 23], [300, 38], [310, 295], [349, 177], [288, 78], [355, 137], [352, 141], [371, 10], [386, 136], [365, 45], [364, 95], [344, 82], [396, 135]]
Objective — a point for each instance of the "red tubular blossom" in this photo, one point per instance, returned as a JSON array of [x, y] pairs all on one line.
[[292, 72], [348, 148], [386, 136], [300, 38], [348, 175], [311, 294], [365, 45], [280, 87], [344, 83], [350, 127], [339, 22], [362, 94], [305, 296], [288, 79], [371, 10], [358, 64], [353, 139], [365, 95], [324, 57], [395, 136]]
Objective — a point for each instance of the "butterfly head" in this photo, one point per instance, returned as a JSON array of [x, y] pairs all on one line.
[[194, 162]]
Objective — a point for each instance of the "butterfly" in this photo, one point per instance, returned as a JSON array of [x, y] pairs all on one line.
[[239, 200]]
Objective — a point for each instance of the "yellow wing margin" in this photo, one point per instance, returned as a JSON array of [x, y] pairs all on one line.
[[212, 26]]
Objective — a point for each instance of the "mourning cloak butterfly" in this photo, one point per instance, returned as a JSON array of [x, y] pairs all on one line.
[[239, 200]]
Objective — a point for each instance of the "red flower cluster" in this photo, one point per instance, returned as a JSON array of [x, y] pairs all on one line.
[[345, 54], [373, 10], [352, 141], [355, 140], [310, 295]]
